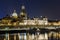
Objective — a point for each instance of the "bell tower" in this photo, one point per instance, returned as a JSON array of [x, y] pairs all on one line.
[[23, 14]]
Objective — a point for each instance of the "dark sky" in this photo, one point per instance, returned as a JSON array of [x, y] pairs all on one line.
[[49, 8]]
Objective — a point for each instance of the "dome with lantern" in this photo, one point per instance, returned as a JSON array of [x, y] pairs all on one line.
[[15, 15]]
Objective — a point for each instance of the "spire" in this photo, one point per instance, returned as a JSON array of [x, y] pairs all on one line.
[[23, 12]]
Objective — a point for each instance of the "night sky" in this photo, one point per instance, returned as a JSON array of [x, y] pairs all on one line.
[[49, 8]]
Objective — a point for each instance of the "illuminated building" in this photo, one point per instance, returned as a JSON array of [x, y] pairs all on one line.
[[20, 27]]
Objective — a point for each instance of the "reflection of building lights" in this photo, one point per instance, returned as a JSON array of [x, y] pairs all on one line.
[[46, 36], [32, 36], [41, 37]]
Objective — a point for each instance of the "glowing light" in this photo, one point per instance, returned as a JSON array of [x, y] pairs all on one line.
[[23, 7], [22, 13]]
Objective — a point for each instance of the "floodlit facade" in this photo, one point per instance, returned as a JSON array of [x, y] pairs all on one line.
[[22, 19]]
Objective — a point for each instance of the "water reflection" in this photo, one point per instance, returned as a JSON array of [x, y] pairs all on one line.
[[31, 36]]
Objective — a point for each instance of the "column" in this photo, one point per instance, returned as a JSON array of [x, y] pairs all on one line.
[[15, 36]]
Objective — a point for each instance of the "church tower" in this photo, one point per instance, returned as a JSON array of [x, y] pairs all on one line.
[[23, 14]]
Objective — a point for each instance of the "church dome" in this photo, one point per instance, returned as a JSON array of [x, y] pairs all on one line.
[[14, 14]]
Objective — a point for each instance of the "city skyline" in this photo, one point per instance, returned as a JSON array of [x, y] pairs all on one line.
[[29, 20], [51, 8]]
